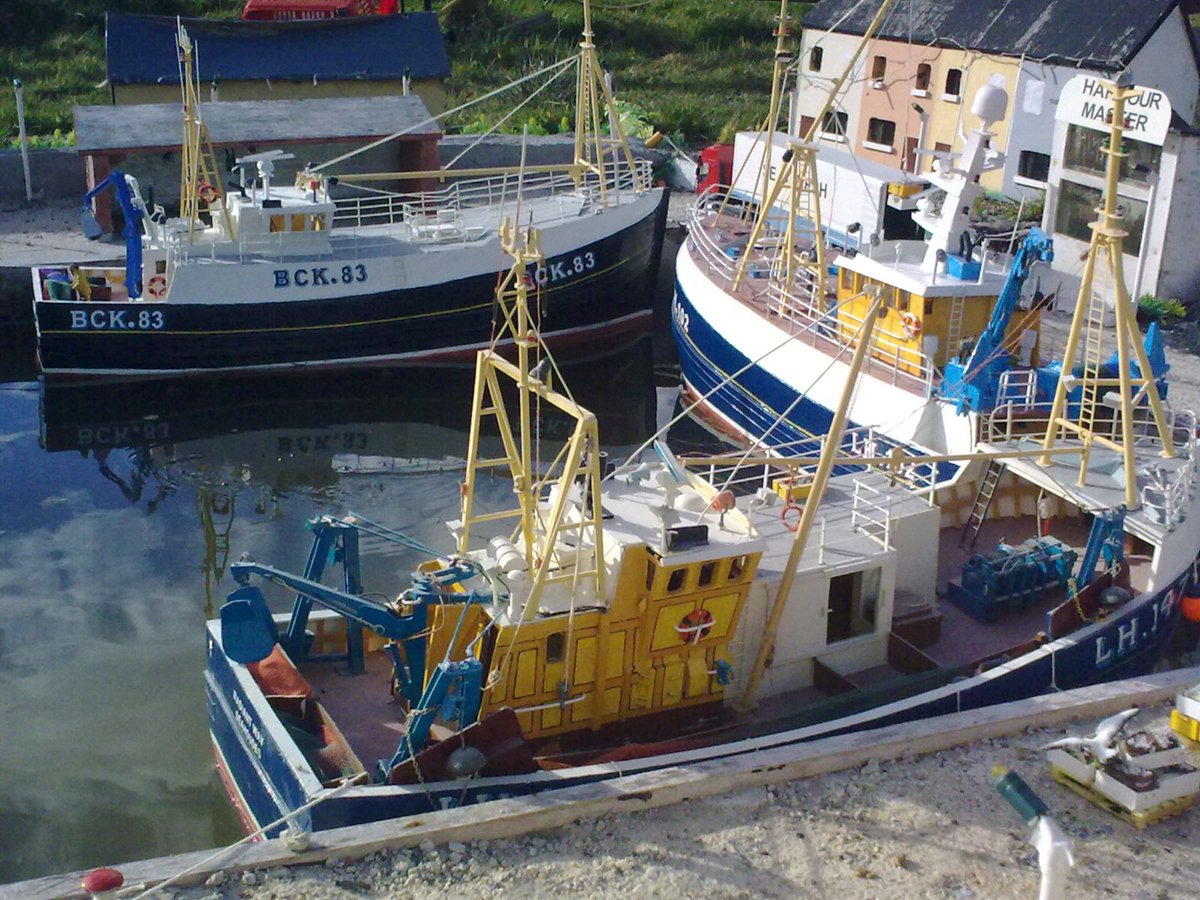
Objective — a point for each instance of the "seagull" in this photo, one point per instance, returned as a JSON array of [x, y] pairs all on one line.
[[1101, 745]]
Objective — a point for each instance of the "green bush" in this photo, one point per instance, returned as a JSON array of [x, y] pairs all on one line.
[[1159, 309]]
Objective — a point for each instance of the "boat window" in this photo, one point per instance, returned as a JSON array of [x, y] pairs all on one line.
[[878, 68], [815, 56], [160, 267], [298, 222], [844, 279], [276, 223], [924, 74], [318, 223], [650, 567], [706, 574], [554, 647], [928, 307], [737, 565], [675, 581], [953, 84]]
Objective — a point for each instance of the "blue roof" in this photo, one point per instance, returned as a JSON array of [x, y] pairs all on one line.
[[141, 49]]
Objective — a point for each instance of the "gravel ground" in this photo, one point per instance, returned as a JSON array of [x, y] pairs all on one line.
[[927, 827]]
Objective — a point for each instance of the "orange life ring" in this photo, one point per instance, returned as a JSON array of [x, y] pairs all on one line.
[[693, 627], [911, 325], [157, 287], [206, 191], [783, 515]]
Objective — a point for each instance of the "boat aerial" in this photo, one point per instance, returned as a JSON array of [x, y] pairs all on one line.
[[590, 625], [257, 274]]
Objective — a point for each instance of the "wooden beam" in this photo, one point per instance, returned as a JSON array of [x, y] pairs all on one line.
[[553, 809]]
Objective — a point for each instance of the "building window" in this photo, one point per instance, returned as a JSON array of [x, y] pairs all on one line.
[[1033, 165], [1084, 152], [1077, 205], [878, 68], [953, 84], [815, 56], [924, 74], [881, 132], [834, 123]]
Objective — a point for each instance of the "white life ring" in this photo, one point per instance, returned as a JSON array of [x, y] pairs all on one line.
[[157, 287], [911, 325]]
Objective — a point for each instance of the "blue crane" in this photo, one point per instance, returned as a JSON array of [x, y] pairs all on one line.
[[132, 232]]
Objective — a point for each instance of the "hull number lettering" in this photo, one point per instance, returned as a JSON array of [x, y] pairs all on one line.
[[319, 276], [562, 269], [117, 320], [680, 315]]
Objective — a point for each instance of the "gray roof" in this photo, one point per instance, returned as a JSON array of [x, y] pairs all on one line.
[[1095, 34], [159, 125]]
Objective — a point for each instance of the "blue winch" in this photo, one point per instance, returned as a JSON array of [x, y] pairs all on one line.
[[1011, 576]]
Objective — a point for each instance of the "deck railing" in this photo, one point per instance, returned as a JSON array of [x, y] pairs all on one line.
[[802, 304]]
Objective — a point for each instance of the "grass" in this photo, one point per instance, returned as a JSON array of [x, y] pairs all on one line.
[[690, 68]]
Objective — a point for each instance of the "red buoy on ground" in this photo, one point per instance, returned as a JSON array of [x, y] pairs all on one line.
[[102, 882]]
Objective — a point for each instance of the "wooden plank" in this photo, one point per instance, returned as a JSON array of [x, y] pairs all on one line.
[[523, 815]]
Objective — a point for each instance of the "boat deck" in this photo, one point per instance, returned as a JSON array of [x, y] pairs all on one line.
[[752, 292]]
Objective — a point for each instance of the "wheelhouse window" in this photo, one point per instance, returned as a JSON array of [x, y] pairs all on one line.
[[815, 57]]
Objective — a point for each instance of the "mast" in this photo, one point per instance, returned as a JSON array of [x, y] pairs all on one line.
[[591, 148], [197, 168], [798, 174], [1106, 253], [574, 513]]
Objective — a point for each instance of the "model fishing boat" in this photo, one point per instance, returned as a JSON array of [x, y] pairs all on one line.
[[673, 611], [766, 314], [259, 274]]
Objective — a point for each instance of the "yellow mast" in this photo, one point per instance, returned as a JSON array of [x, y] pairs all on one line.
[[578, 464], [196, 163], [1106, 250], [798, 174], [591, 148]]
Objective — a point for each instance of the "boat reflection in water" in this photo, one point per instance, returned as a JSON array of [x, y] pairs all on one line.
[[255, 441]]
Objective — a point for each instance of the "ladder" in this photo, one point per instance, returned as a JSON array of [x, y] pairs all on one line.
[[954, 328], [983, 500], [1091, 391]]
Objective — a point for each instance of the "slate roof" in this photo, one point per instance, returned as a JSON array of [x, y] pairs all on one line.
[[1094, 34], [155, 126], [141, 49]]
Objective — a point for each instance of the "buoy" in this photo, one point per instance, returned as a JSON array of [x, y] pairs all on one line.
[[102, 882], [1189, 606]]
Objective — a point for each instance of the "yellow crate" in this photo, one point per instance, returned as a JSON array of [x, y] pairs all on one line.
[[1185, 726], [905, 189], [792, 489]]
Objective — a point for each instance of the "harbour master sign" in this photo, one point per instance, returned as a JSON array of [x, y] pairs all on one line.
[[1087, 101]]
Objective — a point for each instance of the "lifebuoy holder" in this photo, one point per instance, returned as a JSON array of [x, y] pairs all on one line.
[[693, 627], [156, 287], [206, 192], [783, 515], [911, 325]]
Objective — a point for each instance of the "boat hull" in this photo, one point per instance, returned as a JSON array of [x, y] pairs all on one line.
[[602, 283], [267, 779], [758, 386]]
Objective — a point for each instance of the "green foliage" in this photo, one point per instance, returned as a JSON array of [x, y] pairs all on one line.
[[693, 69], [998, 206], [1160, 309]]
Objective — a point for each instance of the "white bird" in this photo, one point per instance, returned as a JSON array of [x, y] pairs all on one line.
[[1100, 745]]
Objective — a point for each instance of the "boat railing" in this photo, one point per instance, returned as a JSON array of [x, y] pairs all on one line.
[[437, 216], [871, 513]]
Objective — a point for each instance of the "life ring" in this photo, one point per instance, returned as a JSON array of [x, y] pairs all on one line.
[[783, 515], [693, 627], [206, 191], [911, 325], [156, 287]]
